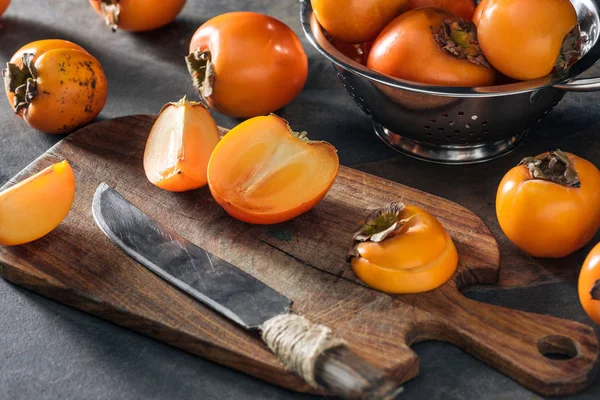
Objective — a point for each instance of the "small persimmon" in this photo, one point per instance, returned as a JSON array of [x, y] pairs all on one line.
[[403, 249], [431, 45], [179, 146], [589, 284], [549, 205], [461, 8], [528, 39], [137, 15], [264, 173], [36, 206], [55, 85]]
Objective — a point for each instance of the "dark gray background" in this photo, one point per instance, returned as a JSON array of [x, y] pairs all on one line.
[[53, 352]]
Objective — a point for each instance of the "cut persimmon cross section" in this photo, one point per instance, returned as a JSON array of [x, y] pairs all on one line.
[[179, 146], [264, 173], [34, 207]]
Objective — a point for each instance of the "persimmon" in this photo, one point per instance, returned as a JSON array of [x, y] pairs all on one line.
[[589, 284], [137, 15], [431, 45], [179, 146], [246, 64], [55, 85], [356, 21], [461, 8], [36, 206], [549, 205], [3, 6], [403, 249], [262, 172], [528, 39], [356, 52]]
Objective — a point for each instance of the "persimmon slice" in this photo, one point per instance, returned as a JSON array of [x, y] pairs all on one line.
[[179, 146], [264, 173], [34, 207]]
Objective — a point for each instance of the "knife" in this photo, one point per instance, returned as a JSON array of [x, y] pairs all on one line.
[[310, 350]]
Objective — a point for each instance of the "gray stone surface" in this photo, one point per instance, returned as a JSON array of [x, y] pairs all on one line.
[[49, 351]]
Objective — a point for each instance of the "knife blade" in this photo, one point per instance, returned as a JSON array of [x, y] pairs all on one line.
[[308, 349]]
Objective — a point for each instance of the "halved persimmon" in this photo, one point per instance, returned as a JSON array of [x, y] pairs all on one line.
[[179, 146], [34, 207], [403, 249], [262, 172]]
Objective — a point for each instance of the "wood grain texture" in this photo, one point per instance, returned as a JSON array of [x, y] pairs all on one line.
[[303, 259]]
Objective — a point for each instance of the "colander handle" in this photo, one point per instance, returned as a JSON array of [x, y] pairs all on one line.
[[580, 85]]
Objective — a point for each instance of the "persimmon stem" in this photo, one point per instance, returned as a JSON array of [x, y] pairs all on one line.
[[595, 292], [200, 67], [22, 81], [459, 38], [553, 166], [110, 10]]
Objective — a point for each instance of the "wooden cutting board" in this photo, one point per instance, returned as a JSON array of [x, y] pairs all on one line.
[[303, 259]]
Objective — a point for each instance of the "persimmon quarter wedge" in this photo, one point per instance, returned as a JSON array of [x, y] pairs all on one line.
[[34, 207], [179, 146], [264, 173]]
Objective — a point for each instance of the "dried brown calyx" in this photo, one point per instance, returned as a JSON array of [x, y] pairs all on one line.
[[380, 225], [570, 51], [595, 292], [553, 166], [182, 103], [110, 10], [459, 38], [201, 70], [22, 81]]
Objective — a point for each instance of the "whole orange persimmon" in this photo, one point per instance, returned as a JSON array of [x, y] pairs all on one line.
[[549, 205], [403, 249], [589, 284], [461, 8], [137, 15], [356, 21], [527, 39], [262, 172], [246, 64], [55, 85], [3, 6], [431, 45]]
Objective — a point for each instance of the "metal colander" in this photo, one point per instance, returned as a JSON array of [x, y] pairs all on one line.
[[455, 125]]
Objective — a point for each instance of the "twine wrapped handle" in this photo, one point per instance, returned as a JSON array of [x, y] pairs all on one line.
[[322, 359]]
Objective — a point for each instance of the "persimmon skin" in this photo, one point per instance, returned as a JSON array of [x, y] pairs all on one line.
[[407, 49], [461, 8], [356, 21], [356, 52], [589, 275], [523, 38], [144, 15], [420, 258], [189, 148], [3, 6], [546, 219], [259, 63], [34, 207], [258, 149]]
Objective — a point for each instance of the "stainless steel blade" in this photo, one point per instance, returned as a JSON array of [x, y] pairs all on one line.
[[215, 282]]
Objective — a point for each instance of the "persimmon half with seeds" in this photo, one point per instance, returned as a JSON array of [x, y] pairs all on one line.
[[36, 206], [137, 15], [403, 249], [55, 85], [431, 45], [262, 172], [528, 39], [179, 146]]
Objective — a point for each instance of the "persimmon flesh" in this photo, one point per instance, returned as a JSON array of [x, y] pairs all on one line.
[[408, 251], [264, 173], [36, 206], [179, 146]]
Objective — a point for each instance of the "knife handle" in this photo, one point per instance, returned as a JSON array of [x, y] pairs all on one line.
[[348, 376], [322, 359]]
